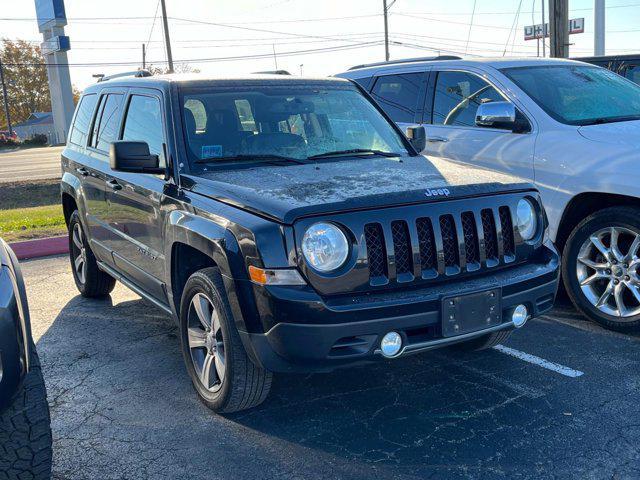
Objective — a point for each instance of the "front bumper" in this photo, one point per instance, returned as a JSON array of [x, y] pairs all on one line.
[[309, 333]]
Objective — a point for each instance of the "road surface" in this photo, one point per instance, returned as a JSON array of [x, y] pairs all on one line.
[[561, 401], [30, 164]]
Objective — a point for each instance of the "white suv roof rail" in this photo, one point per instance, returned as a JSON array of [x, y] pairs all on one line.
[[407, 60]]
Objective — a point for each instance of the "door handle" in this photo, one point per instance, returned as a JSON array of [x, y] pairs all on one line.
[[437, 140], [82, 171], [113, 183]]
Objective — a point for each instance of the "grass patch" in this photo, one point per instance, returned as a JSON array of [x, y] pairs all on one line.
[[33, 222], [32, 193]]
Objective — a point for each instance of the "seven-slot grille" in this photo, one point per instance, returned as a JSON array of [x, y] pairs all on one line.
[[468, 242]]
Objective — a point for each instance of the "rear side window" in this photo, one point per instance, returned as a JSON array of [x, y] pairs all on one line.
[[80, 129], [458, 96], [105, 129], [398, 95], [143, 123]]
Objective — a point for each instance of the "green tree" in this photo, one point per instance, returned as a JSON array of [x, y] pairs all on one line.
[[26, 79]]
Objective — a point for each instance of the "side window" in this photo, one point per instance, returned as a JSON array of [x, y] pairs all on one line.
[[632, 72], [105, 129], [457, 97], [80, 129], [143, 123], [398, 95]]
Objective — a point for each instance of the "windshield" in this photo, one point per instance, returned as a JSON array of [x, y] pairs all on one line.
[[579, 95], [275, 122]]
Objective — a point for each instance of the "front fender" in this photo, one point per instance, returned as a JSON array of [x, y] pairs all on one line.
[[214, 240]]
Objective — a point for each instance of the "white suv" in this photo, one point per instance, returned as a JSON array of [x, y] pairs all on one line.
[[571, 128]]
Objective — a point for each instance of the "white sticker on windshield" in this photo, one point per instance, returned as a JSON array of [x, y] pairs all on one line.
[[211, 151]]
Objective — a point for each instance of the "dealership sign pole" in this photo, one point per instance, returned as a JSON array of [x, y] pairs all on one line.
[[51, 22]]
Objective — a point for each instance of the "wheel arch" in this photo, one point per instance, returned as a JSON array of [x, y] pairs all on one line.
[[70, 189], [585, 204], [196, 242]]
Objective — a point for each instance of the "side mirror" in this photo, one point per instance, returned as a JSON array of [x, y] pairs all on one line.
[[417, 138], [502, 115], [133, 157]]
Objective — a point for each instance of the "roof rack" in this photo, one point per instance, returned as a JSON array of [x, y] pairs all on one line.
[[134, 73], [274, 72], [407, 60]]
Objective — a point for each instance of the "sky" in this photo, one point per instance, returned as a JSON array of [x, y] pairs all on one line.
[[319, 37]]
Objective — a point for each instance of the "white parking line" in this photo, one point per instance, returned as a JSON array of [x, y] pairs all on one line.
[[527, 357]]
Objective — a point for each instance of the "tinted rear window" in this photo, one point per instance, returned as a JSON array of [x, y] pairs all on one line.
[[80, 128]]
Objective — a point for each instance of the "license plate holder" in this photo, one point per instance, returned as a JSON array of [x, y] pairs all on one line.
[[471, 312]]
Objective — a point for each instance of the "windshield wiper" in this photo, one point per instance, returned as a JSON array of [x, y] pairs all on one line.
[[600, 121], [246, 157], [354, 151]]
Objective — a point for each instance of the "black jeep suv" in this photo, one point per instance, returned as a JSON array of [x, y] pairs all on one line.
[[25, 427], [288, 225]]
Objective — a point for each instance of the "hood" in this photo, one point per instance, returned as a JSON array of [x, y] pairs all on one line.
[[618, 133], [285, 193]]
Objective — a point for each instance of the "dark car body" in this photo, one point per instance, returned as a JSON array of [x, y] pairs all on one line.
[[15, 328], [626, 65], [415, 218]]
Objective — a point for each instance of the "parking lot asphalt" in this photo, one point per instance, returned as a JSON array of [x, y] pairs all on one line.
[[562, 401]]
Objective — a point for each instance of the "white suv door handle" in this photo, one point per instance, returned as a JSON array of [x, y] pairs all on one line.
[[437, 140]]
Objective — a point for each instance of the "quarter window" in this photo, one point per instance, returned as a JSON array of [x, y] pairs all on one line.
[[143, 123], [80, 128], [458, 95], [398, 95], [105, 129]]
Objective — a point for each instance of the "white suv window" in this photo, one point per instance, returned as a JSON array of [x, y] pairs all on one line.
[[398, 95], [457, 97]]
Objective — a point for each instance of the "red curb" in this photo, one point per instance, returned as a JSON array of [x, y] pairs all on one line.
[[41, 247]]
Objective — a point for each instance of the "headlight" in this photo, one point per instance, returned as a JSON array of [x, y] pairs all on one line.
[[325, 247], [527, 219]]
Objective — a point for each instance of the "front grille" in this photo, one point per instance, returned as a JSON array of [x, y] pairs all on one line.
[[427, 244], [490, 235], [376, 252], [448, 243], [401, 246], [507, 231], [471, 249]]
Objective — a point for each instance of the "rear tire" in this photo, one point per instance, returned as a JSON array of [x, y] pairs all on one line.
[[580, 250], [486, 341], [25, 430], [90, 280], [224, 377]]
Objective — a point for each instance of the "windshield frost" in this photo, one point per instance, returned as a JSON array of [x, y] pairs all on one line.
[[283, 121], [579, 95]]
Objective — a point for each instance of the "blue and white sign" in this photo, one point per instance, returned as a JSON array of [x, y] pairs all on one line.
[[50, 13]]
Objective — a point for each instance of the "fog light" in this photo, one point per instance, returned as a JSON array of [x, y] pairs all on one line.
[[391, 344], [519, 316]]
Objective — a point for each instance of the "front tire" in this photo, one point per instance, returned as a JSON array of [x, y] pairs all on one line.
[[601, 268], [90, 280], [25, 430], [224, 377]]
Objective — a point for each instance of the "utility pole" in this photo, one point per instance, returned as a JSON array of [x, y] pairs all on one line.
[[6, 99], [544, 32], [599, 27], [386, 30], [559, 23], [167, 41], [144, 57]]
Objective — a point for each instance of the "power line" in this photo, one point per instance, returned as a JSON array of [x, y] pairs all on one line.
[[211, 59]]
